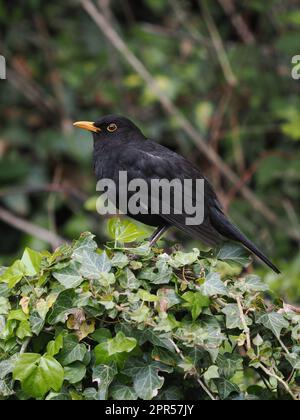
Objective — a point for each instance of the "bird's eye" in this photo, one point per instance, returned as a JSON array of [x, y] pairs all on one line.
[[112, 127]]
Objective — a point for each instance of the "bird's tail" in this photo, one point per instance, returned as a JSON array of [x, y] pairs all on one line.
[[227, 229]]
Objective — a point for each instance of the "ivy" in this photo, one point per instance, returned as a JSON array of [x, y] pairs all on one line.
[[127, 323]]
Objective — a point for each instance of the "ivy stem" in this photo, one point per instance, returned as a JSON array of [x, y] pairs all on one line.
[[273, 375], [25, 345], [283, 346], [243, 319], [203, 386]]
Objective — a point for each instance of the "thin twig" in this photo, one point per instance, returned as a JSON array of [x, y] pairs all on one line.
[[205, 389], [238, 21], [197, 376], [283, 383], [45, 188], [25, 345], [243, 319], [31, 229], [218, 44]]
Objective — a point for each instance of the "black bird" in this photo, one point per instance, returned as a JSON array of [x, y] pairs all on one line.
[[119, 145]]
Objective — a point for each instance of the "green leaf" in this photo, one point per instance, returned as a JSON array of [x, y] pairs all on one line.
[[102, 334], [7, 366], [85, 243], [120, 343], [54, 346], [229, 364], [69, 277], [23, 330], [75, 373], [146, 379], [128, 280], [104, 375], [14, 274], [233, 253], [123, 393], [32, 262], [93, 264], [195, 303], [124, 231], [226, 388], [213, 286], [38, 374], [294, 360], [146, 296], [62, 307], [102, 356], [4, 306], [119, 260], [36, 323], [72, 351], [6, 388], [184, 258], [233, 317], [254, 283], [18, 315], [273, 321]]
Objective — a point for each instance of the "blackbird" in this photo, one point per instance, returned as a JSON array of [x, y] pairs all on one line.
[[119, 145]]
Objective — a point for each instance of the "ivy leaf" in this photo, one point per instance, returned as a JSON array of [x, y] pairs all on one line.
[[128, 280], [6, 388], [273, 321], [225, 388], [213, 286], [123, 393], [120, 343], [14, 274], [184, 258], [24, 330], [72, 351], [294, 360], [54, 346], [195, 302], [146, 379], [104, 375], [62, 307], [7, 366], [75, 373], [93, 264], [38, 374], [101, 335], [36, 323], [254, 283], [119, 260], [85, 243], [32, 262], [233, 253], [229, 364], [124, 231], [69, 277], [4, 306], [233, 317]]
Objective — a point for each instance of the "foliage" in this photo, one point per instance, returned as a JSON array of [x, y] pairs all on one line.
[[128, 323], [62, 69]]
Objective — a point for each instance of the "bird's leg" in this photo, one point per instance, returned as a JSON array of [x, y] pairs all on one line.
[[158, 234]]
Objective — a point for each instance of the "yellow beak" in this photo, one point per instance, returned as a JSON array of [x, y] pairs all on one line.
[[87, 125]]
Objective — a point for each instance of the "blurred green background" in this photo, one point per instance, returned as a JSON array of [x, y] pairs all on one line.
[[225, 64]]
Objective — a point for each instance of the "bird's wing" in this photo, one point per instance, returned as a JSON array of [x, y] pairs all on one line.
[[153, 161]]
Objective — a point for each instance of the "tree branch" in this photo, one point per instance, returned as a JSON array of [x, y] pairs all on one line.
[[31, 229]]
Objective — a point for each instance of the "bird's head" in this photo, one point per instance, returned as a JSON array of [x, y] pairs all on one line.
[[110, 127]]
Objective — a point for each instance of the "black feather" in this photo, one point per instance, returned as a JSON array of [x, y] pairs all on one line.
[[227, 229]]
